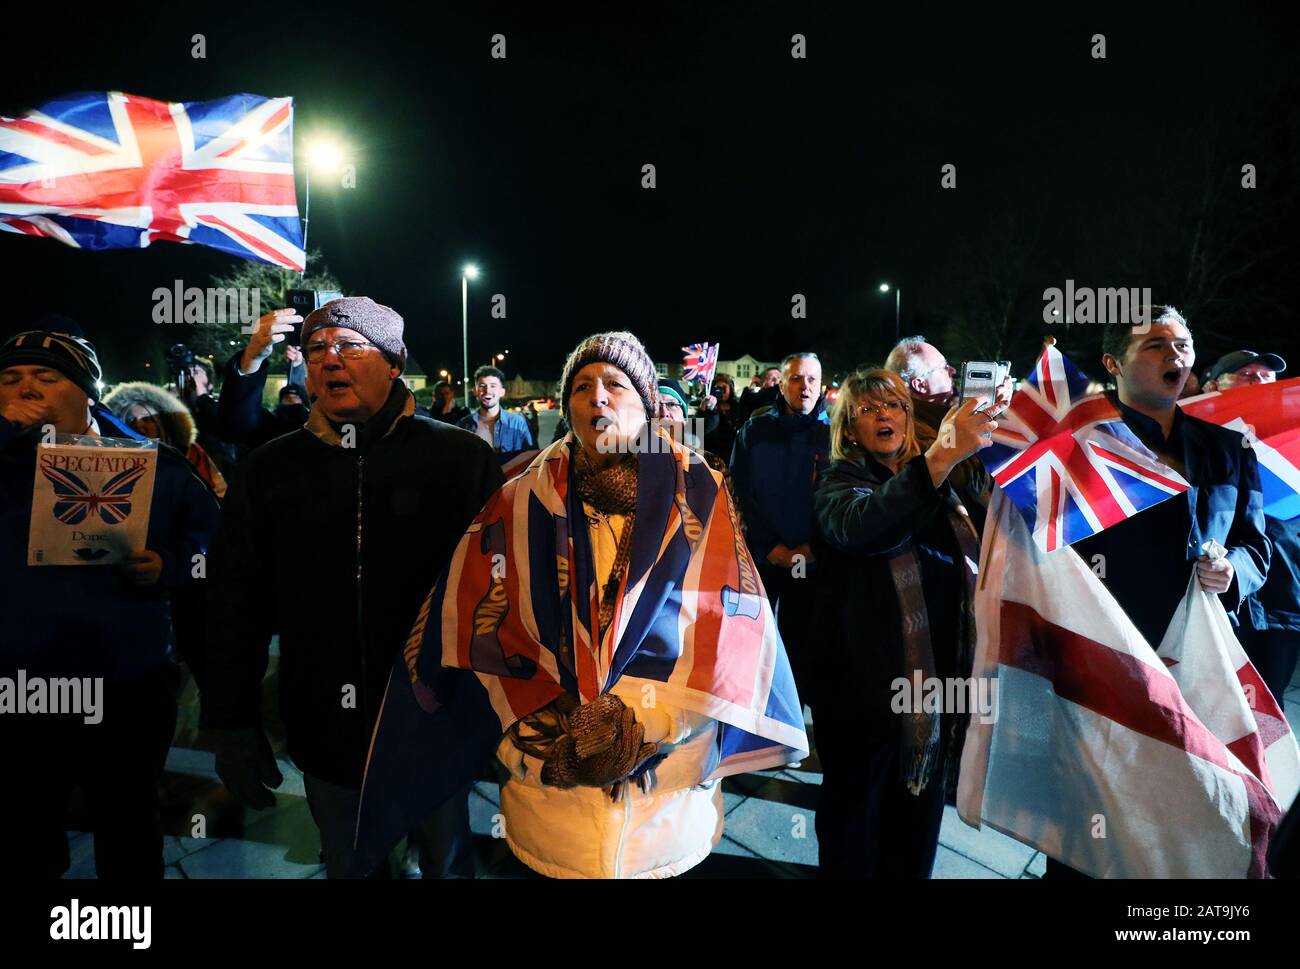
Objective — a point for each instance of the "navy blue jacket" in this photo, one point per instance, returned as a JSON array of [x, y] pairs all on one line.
[[241, 417], [85, 620], [1149, 557], [777, 459], [1276, 605]]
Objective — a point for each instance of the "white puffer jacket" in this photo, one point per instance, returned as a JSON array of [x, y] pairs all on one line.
[[580, 832]]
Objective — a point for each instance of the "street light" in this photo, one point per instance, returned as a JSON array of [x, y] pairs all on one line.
[[898, 299], [469, 272], [323, 153]]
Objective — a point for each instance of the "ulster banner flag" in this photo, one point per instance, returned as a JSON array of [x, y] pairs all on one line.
[[1120, 760]]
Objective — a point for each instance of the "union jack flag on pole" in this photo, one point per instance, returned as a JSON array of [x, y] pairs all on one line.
[[119, 171], [1066, 459], [700, 361]]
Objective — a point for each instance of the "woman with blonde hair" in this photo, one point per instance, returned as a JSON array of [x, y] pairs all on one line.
[[898, 551]]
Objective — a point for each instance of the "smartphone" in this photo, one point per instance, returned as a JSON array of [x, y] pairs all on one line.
[[302, 302], [980, 379]]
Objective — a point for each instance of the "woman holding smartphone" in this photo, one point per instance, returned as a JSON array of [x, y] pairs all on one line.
[[898, 549]]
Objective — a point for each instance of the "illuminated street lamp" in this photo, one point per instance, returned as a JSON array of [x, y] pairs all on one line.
[[898, 299], [325, 154], [469, 272]]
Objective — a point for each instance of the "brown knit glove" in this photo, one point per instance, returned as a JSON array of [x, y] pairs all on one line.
[[603, 744]]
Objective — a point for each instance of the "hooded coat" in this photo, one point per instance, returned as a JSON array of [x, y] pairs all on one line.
[[175, 422]]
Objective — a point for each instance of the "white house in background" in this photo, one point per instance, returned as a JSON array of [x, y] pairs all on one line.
[[744, 367], [741, 369]]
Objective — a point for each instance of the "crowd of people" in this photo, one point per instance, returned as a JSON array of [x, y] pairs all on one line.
[[328, 520]]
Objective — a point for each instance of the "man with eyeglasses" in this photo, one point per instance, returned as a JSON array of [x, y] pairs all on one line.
[[1270, 617], [929, 379], [364, 488]]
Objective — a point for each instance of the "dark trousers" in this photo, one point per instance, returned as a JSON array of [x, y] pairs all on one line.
[[116, 763], [794, 603], [1274, 653], [868, 824], [444, 839]]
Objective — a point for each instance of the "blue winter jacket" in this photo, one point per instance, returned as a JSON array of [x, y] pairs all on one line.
[[88, 620], [777, 459]]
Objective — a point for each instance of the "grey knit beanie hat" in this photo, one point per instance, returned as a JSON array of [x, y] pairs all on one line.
[[379, 324], [624, 351]]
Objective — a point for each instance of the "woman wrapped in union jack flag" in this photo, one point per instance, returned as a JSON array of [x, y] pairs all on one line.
[[613, 619]]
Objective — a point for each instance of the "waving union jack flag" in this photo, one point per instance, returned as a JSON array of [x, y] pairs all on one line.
[[1068, 461], [700, 361], [76, 501], [1269, 416], [117, 171]]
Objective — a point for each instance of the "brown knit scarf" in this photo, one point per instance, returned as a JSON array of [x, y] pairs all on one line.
[[611, 491], [597, 744]]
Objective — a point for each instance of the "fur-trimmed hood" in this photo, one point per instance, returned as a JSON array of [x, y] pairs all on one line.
[[174, 418]]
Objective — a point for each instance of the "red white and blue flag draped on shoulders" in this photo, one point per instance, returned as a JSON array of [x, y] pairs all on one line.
[[107, 170], [493, 644], [1119, 757], [700, 361]]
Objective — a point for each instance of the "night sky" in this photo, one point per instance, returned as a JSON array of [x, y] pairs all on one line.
[[775, 175]]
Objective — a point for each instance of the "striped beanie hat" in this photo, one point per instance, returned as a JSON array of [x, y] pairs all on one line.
[[624, 351], [71, 356]]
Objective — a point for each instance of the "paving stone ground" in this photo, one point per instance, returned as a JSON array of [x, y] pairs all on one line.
[[769, 829]]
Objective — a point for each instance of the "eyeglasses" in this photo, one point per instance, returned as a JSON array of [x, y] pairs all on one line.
[[347, 349], [890, 408]]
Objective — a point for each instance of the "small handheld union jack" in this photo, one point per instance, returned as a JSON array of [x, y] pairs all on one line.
[[76, 501], [700, 361], [1067, 460]]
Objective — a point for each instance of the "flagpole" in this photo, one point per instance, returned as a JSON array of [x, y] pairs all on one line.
[[306, 217]]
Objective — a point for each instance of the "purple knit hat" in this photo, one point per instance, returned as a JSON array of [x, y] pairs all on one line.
[[379, 324]]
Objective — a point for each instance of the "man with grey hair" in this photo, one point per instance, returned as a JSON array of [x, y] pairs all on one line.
[[364, 481], [778, 457], [929, 379]]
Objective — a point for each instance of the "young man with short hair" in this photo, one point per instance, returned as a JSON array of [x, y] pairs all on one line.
[[507, 432], [1146, 561]]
